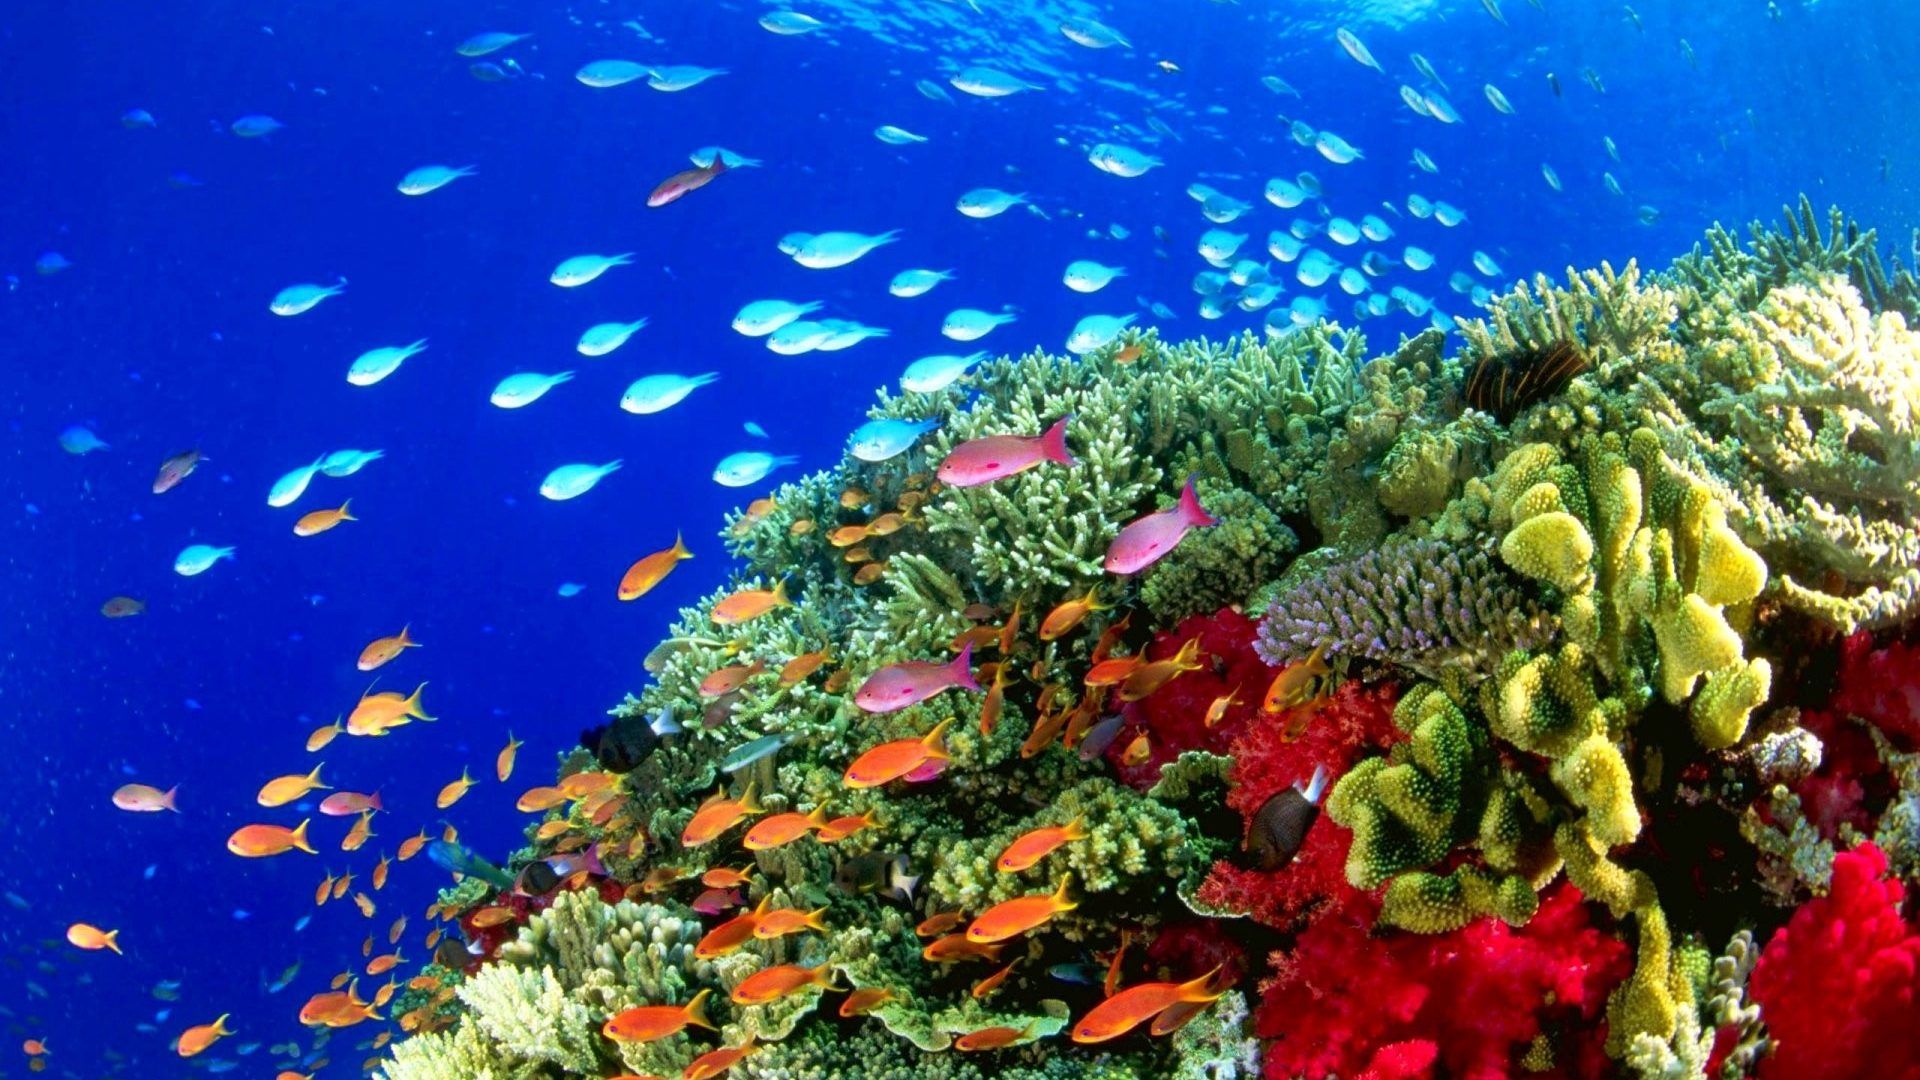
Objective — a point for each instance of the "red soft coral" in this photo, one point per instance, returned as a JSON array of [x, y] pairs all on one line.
[[1480, 995], [1174, 716], [1881, 685], [1356, 722], [1839, 985]]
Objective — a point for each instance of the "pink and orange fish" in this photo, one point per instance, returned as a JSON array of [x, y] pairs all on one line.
[[982, 461], [1146, 539], [910, 682]]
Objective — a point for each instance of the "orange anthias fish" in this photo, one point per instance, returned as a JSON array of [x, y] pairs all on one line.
[[686, 180], [717, 815], [714, 1062], [1019, 915], [955, 947], [1298, 684], [1137, 1004], [1069, 614], [647, 1023], [1152, 676], [321, 736], [842, 827], [996, 699], [1037, 844], [780, 829], [259, 841], [319, 521], [503, 763], [1109, 637], [375, 714], [1137, 752], [537, 800], [783, 921], [198, 1038], [348, 803], [381, 650], [1218, 709], [145, 799], [865, 1000], [652, 569], [121, 607], [85, 936], [455, 790], [723, 681], [992, 982], [282, 790], [175, 469], [939, 923], [891, 760], [342, 1008], [991, 1038], [361, 832], [1010, 632], [1114, 670], [718, 877], [780, 981], [411, 845], [802, 666], [750, 604]]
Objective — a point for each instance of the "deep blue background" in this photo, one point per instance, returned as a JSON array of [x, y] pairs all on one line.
[[160, 339]]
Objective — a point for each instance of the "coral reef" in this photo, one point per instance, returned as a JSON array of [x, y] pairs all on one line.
[[1587, 640]]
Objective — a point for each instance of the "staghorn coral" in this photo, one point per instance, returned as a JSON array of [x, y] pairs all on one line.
[[1423, 605]]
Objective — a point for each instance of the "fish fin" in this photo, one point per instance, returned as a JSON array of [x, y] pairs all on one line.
[[814, 920], [314, 777], [1060, 901], [679, 548], [1191, 511], [936, 740], [344, 516], [300, 838], [697, 1009], [961, 668], [1201, 989], [819, 815], [1076, 829], [1053, 444], [167, 800], [1317, 786], [780, 598], [747, 801]]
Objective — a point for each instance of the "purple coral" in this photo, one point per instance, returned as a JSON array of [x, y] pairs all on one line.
[[1422, 604]]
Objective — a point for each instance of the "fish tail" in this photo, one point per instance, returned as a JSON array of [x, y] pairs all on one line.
[[780, 598], [314, 777], [299, 838], [1060, 901], [408, 643], [1191, 511], [747, 801], [1076, 829], [679, 549], [1317, 786], [1201, 989], [344, 515], [819, 815], [111, 939], [220, 1025], [936, 740], [815, 920], [167, 800], [961, 668], [704, 378], [696, 1012], [1053, 444], [413, 703]]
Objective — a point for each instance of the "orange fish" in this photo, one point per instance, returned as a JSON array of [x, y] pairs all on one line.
[[661, 877], [749, 604], [93, 938], [1138, 752], [503, 764], [991, 1038], [977, 636], [801, 666], [1219, 707], [1175, 1016], [1112, 982], [679, 184], [323, 735], [1062, 619], [1109, 637], [325, 892], [1137, 1004], [580, 785], [651, 570], [732, 934], [865, 1000], [489, 917], [455, 790], [723, 681], [348, 803], [538, 799], [341, 884], [717, 815], [870, 573], [1019, 915], [383, 963], [361, 832], [342, 1008], [1037, 844], [319, 521], [773, 832], [380, 870], [380, 650], [550, 829], [374, 714], [956, 947], [143, 799], [782, 980], [1011, 630], [1113, 671], [1128, 354], [647, 1023], [121, 607], [33, 1047], [1046, 728], [783, 921], [259, 841], [842, 827], [848, 535], [992, 982], [1150, 677], [175, 469], [889, 523], [714, 1062], [720, 877], [892, 760], [365, 904], [1298, 684], [939, 923], [398, 928], [411, 845], [996, 700], [285, 789], [198, 1038]]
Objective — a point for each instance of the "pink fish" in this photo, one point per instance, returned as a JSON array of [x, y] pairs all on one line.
[[1146, 539], [673, 187], [911, 682], [715, 901], [982, 461]]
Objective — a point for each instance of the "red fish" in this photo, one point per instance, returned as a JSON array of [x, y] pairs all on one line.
[[911, 682], [1137, 1004], [680, 183], [1146, 539], [982, 461]]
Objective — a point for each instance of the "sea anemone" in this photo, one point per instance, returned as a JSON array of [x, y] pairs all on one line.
[[1502, 384]]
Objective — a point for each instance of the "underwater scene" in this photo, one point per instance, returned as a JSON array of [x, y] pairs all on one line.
[[961, 539]]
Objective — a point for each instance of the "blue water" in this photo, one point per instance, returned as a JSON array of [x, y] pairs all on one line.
[[158, 338]]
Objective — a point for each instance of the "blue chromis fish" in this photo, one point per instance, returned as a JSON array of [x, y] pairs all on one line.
[[882, 440], [453, 858], [299, 299], [573, 481], [429, 178]]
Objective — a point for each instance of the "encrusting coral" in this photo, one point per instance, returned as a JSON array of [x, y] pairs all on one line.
[[1531, 623]]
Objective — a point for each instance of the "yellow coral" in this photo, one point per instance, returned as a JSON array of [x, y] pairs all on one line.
[[1552, 547], [1596, 778]]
